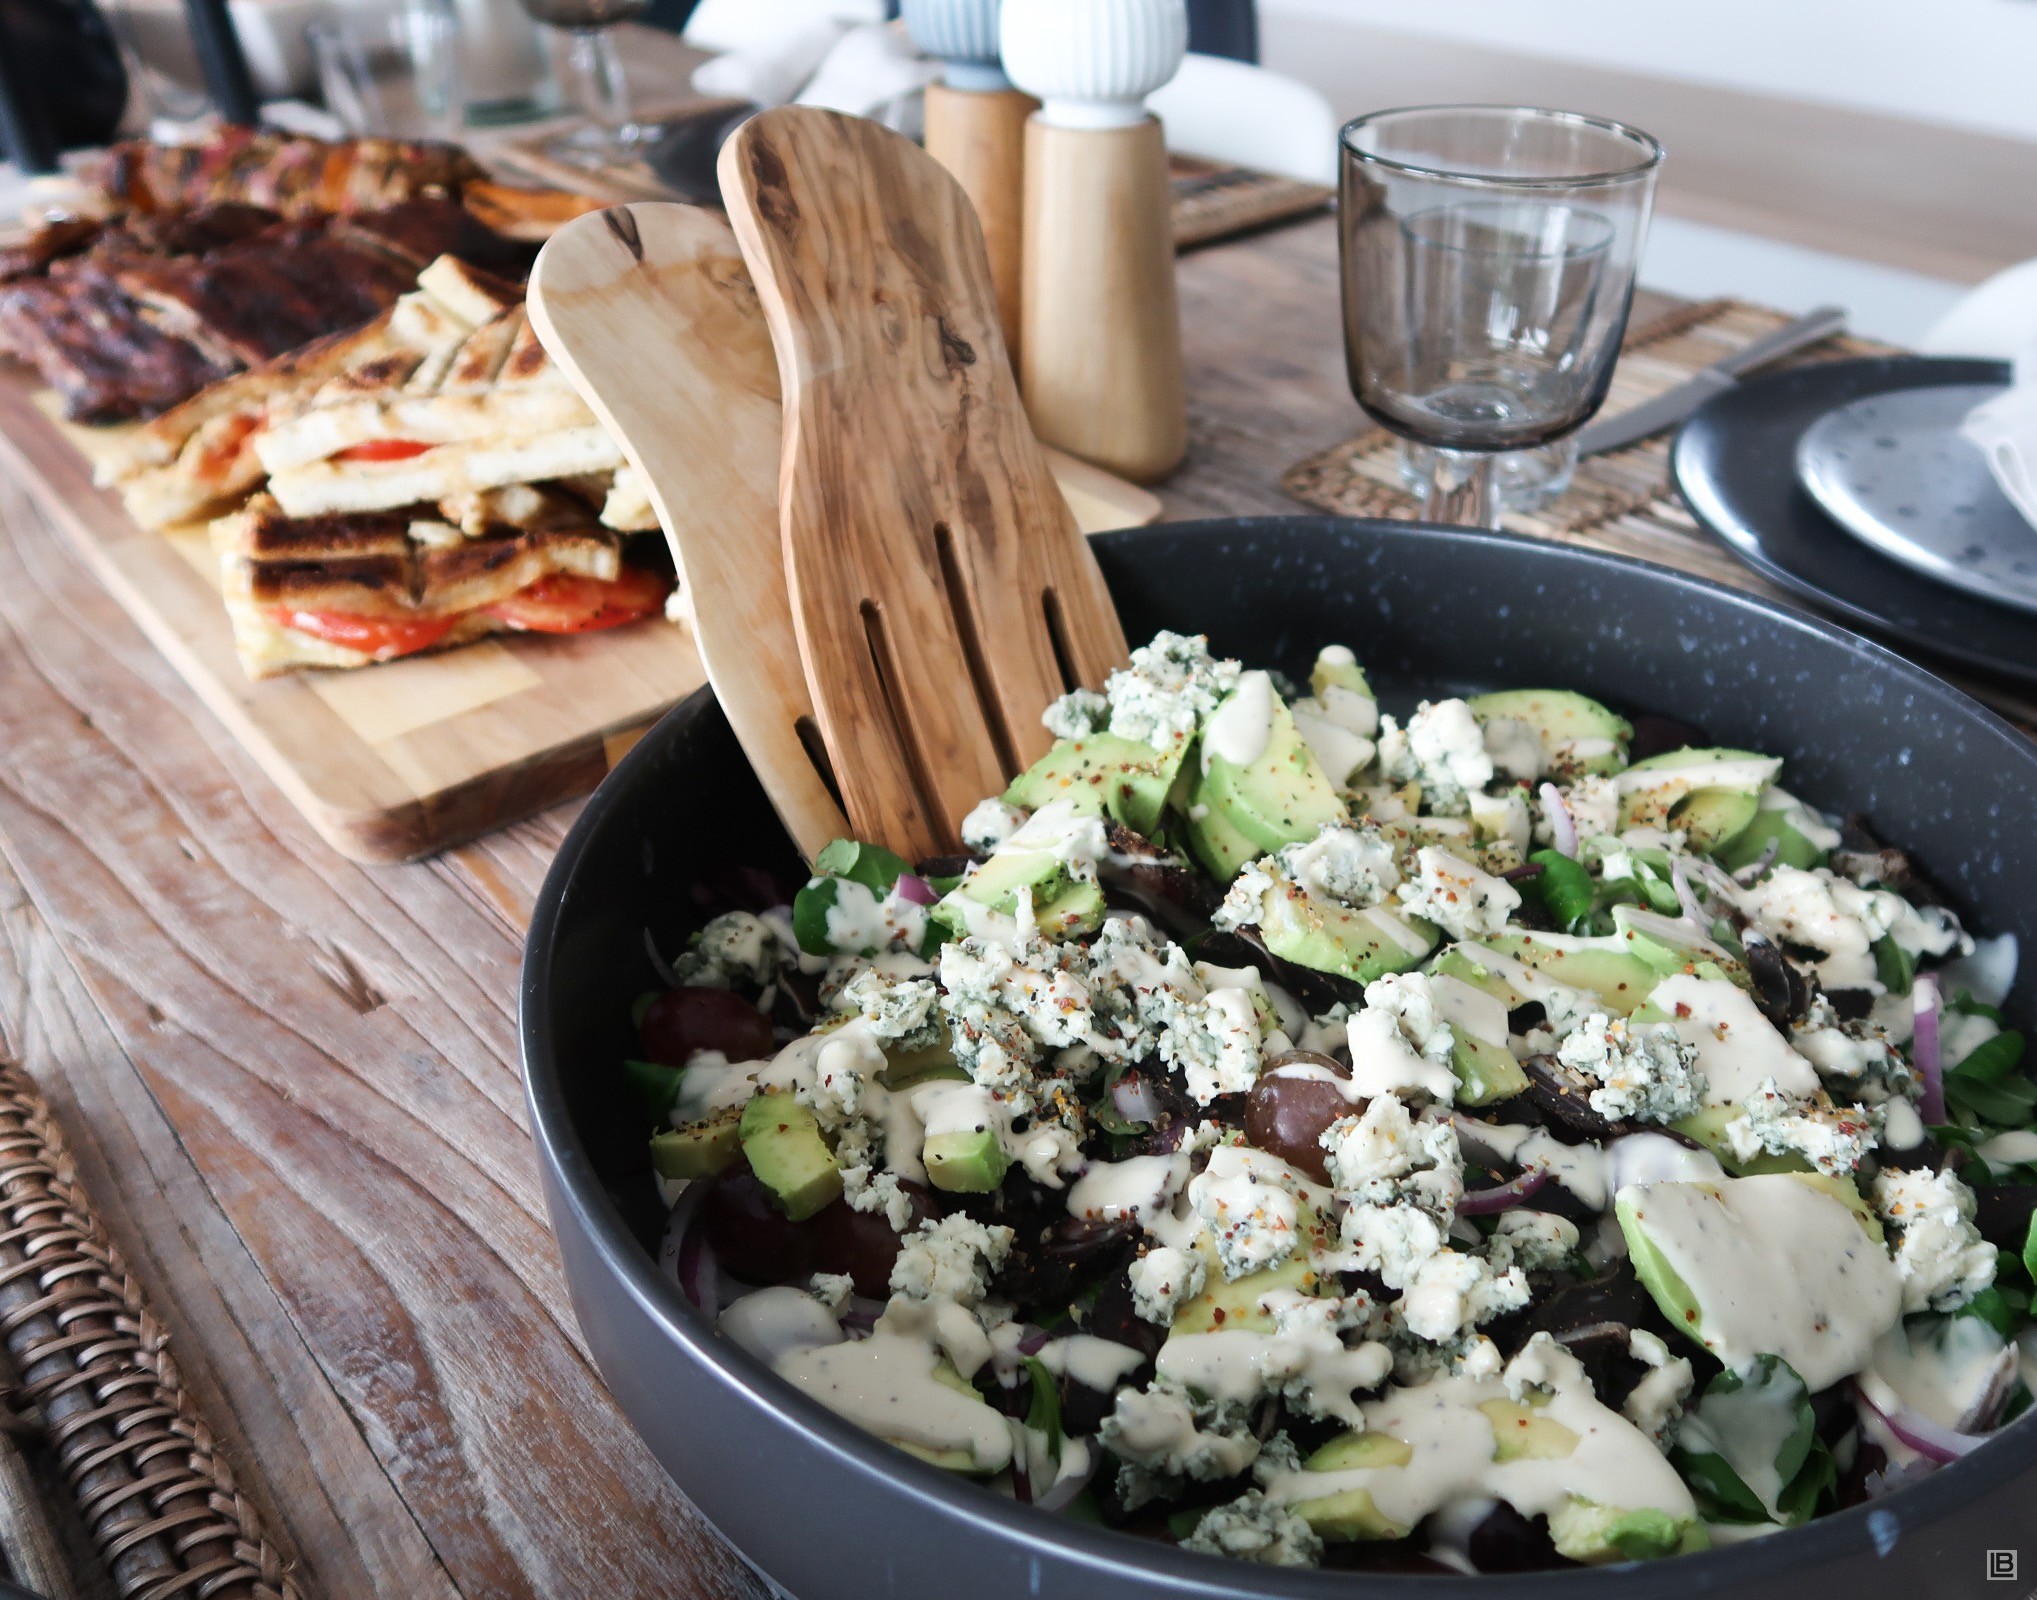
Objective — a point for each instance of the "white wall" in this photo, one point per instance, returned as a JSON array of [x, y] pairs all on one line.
[[1967, 63]]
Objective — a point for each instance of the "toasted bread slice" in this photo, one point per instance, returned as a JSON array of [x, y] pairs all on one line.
[[411, 564], [330, 486], [198, 457]]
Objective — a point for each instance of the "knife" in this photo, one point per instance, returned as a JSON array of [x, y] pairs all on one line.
[[1670, 407]]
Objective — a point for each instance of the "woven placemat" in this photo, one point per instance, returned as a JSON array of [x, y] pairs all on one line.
[[1211, 201], [93, 1381], [1624, 501]]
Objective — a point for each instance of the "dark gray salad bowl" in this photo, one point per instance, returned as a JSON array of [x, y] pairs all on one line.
[[832, 1514]]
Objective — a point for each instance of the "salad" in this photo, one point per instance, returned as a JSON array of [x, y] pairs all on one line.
[[1498, 1138]]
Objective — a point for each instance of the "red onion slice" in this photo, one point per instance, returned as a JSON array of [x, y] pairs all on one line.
[[911, 886], [1133, 1097], [1034, 1341], [1562, 826], [1502, 1196], [697, 1268], [1686, 896], [1924, 1048], [1932, 1440], [1061, 1493]]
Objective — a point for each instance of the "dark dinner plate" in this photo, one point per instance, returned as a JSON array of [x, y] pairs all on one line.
[[833, 1514], [1736, 464]]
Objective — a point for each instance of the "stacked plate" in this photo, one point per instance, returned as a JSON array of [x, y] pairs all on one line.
[[1849, 483]]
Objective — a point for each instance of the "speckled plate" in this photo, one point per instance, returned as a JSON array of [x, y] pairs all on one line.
[[1735, 464], [1895, 470]]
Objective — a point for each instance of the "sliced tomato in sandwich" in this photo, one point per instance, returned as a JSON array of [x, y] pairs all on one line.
[[383, 450], [564, 603], [383, 638]]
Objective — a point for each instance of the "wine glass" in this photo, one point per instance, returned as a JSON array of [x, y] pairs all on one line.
[[608, 135], [1488, 257]]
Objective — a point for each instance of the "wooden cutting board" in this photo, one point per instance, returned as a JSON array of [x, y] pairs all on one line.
[[396, 761]]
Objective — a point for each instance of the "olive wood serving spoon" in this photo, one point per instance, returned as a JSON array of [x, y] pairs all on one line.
[[941, 591], [649, 312]]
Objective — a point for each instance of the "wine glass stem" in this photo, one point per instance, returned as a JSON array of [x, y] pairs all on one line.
[[597, 71], [1462, 490]]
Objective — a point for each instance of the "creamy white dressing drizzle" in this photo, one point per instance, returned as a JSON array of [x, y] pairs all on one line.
[[1566, 1007], [1774, 1266], [1142, 1187], [773, 1324], [1239, 729], [1934, 1366], [1452, 1444], [1099, 1364], [886, 1385], [1737, 1046], [2010, 1149], [1240, 1365]]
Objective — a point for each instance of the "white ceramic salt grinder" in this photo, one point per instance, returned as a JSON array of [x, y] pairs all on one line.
[[1100, 321]]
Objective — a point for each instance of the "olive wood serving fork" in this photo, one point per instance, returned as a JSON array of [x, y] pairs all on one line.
[[941, 592]]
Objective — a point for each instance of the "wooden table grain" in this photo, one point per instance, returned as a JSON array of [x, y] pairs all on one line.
[[292, 1081]]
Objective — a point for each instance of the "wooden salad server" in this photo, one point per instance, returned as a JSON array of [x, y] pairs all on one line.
[[941, 591], [650, 313]]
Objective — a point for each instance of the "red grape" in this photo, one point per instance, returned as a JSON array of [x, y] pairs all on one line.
[[1286, 1116], [754, 1240], [681, 1021]]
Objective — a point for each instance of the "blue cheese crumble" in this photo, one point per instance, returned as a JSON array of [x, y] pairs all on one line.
[[1250, 1204], [1164, 1280], [1833, 1138], [1646, 1073], [1939, 1253], [1442, 749], [1466, 902], [1253, 1528], [952, 1258]]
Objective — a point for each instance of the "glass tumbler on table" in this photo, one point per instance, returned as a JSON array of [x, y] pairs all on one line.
[[1488, 258], [608, 135]]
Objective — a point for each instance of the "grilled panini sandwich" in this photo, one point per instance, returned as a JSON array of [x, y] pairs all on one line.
[[198, 458], [349, 589]]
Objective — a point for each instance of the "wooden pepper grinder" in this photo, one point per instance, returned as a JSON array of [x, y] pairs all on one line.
[[976, 128], [1100, 331]]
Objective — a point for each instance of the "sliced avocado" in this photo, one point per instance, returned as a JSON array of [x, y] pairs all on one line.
[[1103, 775], [781, 1140], [699, 1149], [1668, 945], [1337, 668], [1326, 937], [1595, 1534], [907, 1069], [1455, 963], [1563, 719], [1063, 905], [1485, 1071], [1229, 1304], [1650, 790], [1076, 910], [1217, 844], [1848, 1194], [1351, 1514], [1521, 1433], [1709, 817], [1708, 1127], [1602, 965], [960, 1461], [1280, 797], [968, 1161], [1748, 846], [1662, 1281]]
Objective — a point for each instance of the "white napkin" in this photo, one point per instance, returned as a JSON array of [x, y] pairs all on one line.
[[2005, 429], [770, 74], [865, 71]]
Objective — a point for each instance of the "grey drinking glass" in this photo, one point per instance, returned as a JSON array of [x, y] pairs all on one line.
[[1488, 258]]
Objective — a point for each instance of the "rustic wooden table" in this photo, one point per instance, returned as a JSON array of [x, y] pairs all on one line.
[[292, 1082]]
